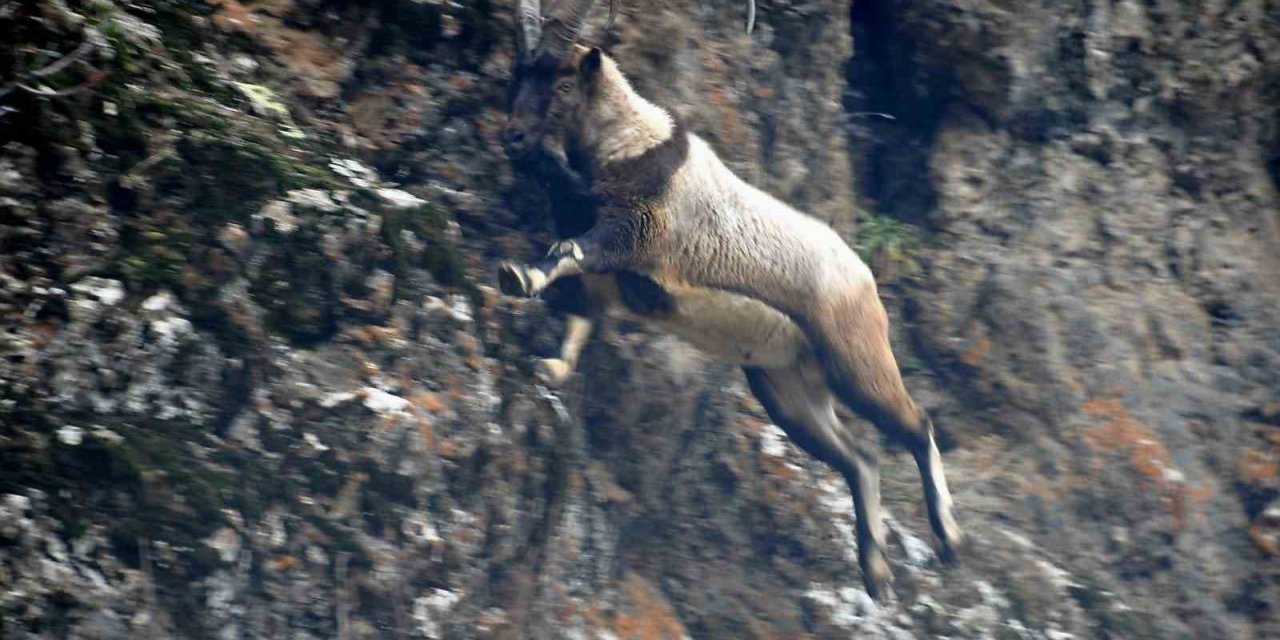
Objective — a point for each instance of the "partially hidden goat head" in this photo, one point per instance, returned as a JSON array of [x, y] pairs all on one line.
[[552, 72]]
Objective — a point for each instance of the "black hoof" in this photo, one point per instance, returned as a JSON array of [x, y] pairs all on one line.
[[949, 553], [877, 577], [513, 280]]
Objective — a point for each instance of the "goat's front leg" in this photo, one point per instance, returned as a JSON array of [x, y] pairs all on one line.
[[564, 259], [602, 249]]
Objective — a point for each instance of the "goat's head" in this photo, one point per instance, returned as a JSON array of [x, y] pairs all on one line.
[[552, 74]]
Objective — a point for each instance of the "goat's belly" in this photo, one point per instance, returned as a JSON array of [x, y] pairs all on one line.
[[732, 328]]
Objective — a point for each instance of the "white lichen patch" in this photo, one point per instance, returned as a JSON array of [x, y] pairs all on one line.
[[314, 199], [92, 291], [263, 102], [358, 174], [417, 526], [835, 497], [383, 403], [847, 607], [70, 435], [158, 302], [226, 542], [773, 441], [400, 199], [918, 552], [336, 398], [460, 308], [431, 609], [169, 330], [314, 442], [280, 212]]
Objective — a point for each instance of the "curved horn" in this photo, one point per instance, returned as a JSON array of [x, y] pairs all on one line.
[[608, 25], [613, 17], [751, 15], [529, 25], [562, 30]]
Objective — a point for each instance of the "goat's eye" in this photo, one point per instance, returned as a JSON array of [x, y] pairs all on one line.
[[564, 87]]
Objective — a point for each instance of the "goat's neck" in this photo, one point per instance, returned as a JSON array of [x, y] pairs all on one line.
[[620, 124]]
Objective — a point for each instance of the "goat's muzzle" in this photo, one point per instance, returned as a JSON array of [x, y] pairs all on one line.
[[517, 141]]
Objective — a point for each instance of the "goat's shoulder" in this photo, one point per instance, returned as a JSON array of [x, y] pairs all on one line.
[[646, 177]]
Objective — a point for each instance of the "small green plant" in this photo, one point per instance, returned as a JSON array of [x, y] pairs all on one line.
[[889, 246]]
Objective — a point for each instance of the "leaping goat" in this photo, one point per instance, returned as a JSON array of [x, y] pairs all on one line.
[[740, 274]]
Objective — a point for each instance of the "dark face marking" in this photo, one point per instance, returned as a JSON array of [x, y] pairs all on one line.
[[543, 92]]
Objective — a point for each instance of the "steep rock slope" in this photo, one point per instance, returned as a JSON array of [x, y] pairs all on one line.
[[255, 382], [1099, 285]]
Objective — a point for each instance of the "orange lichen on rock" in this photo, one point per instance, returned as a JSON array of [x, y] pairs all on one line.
[[974, 355], [392, 114], [1267, 539], [370, 336], [1122, 433], [646, 614], [316, 62], [284, 563], [428, 401], [1259, 468], [428, 434], [778, 468], [1271, 435]]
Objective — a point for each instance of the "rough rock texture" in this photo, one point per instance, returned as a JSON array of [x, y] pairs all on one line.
[[255, 383], [1100, 276]]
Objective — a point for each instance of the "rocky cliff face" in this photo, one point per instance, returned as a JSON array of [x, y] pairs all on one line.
[[255, 381]]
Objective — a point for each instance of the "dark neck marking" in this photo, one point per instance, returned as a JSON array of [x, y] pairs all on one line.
[[647, 175]]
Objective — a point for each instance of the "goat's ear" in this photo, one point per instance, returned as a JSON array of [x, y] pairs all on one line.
[[590, 66]]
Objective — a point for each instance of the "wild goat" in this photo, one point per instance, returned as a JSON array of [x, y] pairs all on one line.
[[735, 271]]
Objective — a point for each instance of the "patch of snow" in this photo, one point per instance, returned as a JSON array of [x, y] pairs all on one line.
[[106, 435], [316, 556], [418, 527], [842, 613], [460, 307], [106, 291], [1271, 513], [429, 611], [383, 403], [1022, 540], [772, 441], [70, 435], [280, 212], [313, 198], [226, 542], [16, 504], [336, 398], [990, 596], [919, 553], [400, 199], [170, 329], [1175, 476], [315, 442], [836, 498], [358, 174], [158, 302], [849, 606]]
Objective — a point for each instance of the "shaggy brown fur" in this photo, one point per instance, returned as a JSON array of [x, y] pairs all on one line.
[[739, 267]]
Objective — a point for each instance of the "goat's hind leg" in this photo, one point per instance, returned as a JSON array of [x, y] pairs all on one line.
[[936, 493], [853, 342], [798, 401]]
